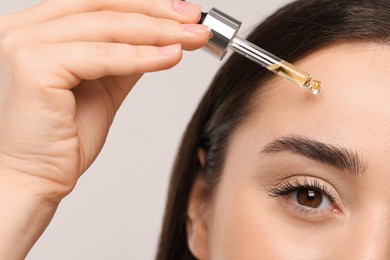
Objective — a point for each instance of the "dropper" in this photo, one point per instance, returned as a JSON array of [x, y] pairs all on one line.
[[224, 29]]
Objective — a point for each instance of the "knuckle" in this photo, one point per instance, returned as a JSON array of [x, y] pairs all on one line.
[[168, 30], [105, 50], [105, 21], [16, 52], [10, 40], [137, 52], [152, 5], [165, 24], [137, 55], [22, 62], [105, 16], [21, 57]]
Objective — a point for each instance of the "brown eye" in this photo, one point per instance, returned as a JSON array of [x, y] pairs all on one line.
[[309, 198]]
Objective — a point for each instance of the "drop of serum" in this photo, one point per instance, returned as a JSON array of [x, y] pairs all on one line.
[[315, 86]]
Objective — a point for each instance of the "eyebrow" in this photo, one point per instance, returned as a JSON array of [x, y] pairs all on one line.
[[338, 157]]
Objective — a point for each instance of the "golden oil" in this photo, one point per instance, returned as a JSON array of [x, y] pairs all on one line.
[[292, 73]]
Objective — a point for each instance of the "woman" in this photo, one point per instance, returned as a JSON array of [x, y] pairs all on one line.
[[265, 171], [269, 171]]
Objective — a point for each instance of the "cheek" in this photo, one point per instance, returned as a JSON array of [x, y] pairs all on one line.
[[241, 226], [244, 224]]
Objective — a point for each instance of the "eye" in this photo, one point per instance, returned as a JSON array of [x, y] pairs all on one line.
[[311, 198], [307, 196]]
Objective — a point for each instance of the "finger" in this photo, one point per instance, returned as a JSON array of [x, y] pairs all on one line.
[[107, 26], [177, 10], [95, 60]]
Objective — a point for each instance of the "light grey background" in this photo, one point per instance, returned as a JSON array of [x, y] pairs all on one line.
[[115, 211]]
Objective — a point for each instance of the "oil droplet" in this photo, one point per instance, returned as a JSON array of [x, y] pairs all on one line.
[[315, 86]]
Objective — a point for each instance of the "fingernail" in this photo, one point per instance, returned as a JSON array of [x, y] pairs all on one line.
[[196, 28], [186, 8], [171, 49]]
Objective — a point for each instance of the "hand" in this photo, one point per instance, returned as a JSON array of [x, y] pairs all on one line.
[[65, 68]]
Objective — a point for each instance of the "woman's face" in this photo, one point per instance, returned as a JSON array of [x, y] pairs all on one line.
[[308, 177]]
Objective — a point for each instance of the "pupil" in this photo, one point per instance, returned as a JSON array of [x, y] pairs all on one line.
[[309, 198]]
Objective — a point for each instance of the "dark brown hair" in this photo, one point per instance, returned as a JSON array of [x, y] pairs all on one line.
[[292, 33]]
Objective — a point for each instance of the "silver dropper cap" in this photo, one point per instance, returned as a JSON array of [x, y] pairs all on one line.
[[223, 29]]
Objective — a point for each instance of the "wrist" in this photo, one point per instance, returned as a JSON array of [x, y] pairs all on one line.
[[23, 218]]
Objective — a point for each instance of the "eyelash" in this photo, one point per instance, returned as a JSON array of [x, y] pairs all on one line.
[[288, 187]]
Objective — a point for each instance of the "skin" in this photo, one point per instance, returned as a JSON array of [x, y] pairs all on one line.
[[65, 68], [242, 220]]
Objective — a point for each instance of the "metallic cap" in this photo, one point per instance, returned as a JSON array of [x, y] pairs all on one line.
[[223, 29]]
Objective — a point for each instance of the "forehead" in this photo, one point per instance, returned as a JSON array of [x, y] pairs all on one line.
[[352, 109]]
